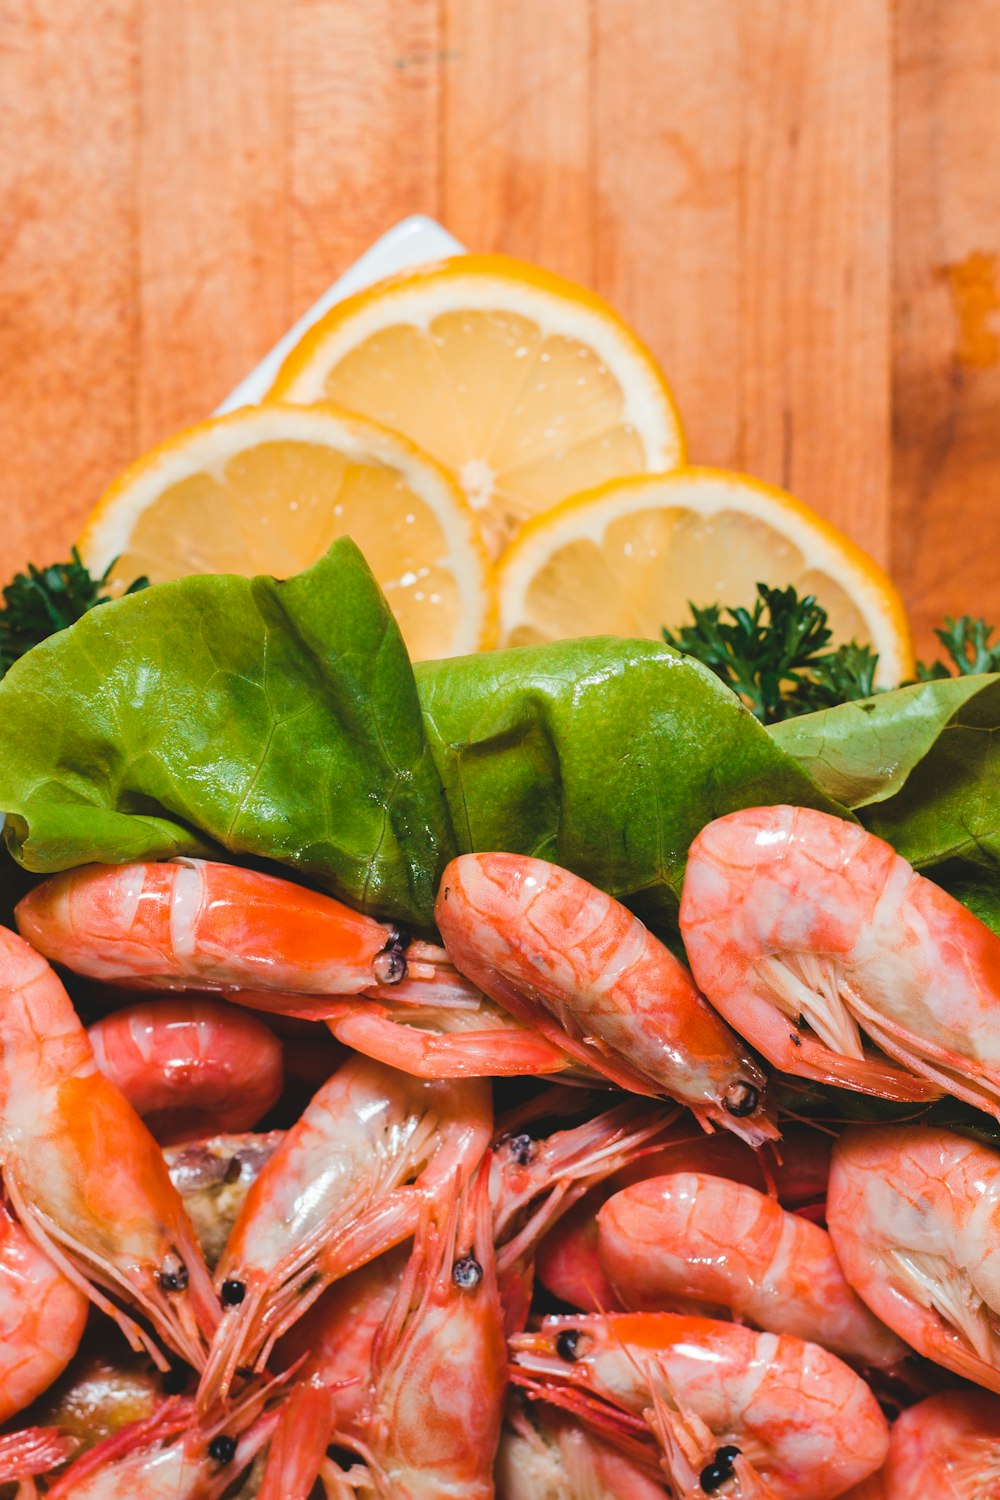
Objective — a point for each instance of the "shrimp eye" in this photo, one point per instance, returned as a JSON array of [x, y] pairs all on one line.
[[222, 1449], [566, 1344], [233, 1293], [174, 1380], [174, 1278], [390, 964], [521, 1148], [719, 1470], [467, 1272], [741, 1099]]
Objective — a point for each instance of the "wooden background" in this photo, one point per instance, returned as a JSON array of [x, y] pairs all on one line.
[[797, 202]]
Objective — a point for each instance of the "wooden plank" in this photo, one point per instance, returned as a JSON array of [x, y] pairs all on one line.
[[815, 260], [364, 129], [516, 130], [946, 491], [211, 196], [666, 184], [66, 266]]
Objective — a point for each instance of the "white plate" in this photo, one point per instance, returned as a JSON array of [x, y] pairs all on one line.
[[412, 242]]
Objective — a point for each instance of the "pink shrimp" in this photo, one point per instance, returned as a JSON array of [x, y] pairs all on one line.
[[335, 1194], [85, 1177], [190, 1067], [574, 964], [945, 1448], [547, 1455], [335, 1343], [914, 1214], [799, 1415], [694, 1243], [174, 1454], [808, 933], [568, 1262], [692, 1458], [279, 947], [29, 1452], [439, 1365], [42, 1317], [534, 1182]]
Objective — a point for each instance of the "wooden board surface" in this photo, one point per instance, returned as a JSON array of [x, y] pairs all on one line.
[[796, 206]]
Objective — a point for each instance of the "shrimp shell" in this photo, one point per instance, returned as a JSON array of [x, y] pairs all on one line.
[[546, 1455], [914, 1214], [800, 1415], [338, 1191], [947, 1447], [85, 1177], [692, 1242], [190, 1067], [808, 934], [42, 1318], [570, 961]]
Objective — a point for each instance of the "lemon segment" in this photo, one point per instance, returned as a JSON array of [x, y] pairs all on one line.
[[268, 489], [630, 556], [524, 386]]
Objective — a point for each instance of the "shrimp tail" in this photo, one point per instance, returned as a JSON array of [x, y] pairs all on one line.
[[371, 1029], [298, 1446]]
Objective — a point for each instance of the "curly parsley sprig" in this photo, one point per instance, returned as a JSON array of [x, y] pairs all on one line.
[[776, 655], [42, 601]]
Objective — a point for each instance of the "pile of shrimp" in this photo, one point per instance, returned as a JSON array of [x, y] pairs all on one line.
[[296, 1204]]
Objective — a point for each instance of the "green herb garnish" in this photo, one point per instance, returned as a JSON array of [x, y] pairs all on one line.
[[43, 600], [967, 642], [776, 655]]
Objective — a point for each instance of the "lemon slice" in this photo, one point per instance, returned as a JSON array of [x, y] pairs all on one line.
[[630, 556], [525, 387], [267, 489]]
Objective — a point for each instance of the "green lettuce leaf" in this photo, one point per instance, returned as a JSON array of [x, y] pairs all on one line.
[[604, 755], [861, 753], [271, 719], [283, 721]]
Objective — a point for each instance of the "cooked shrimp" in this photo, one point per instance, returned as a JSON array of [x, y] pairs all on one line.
[[694, 1243], [335, 1343], [574, 964], [213, 1177], [914, 1214], [190, 1067], [32, 1451], [335, 1194], [85, 1177], [547, 1455], [172, 1455], [693, 1460], [534, 1182], [279, 947], [809, 934], [945, 1448], [568, 1262], [439, 1367], [440, 1360], [799, 1415], [42, 1317]]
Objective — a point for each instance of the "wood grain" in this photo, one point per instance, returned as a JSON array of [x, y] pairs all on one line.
[[516, 130], [667, 188], [946, 282], [67, 265], [815, 253], [211, 210], [796, 206]]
